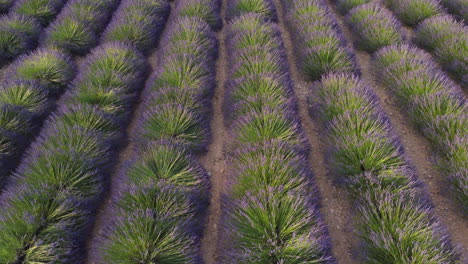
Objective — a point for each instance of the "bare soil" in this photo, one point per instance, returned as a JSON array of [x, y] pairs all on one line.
[[336, 206], [214, 160], [418, 149]]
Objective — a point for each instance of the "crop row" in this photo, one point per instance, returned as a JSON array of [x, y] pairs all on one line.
[[431, 94], [272, 207], [57, 186], [33, 82], [447, 39], [265, 8], [436, 32], [320, 45], [78, 26], [394, 217], [160, 211], [21, 27], [49, 207], [435, 105], [27, 95], [136, 24]]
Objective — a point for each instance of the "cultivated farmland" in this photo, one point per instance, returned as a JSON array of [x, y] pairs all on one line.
[[233, 131]]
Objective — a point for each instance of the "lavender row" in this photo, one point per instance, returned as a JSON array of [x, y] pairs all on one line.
[[138, 22], [395, 219], [367, 158], [441, 122], [78, 26], [207, 10], [437, 32], [160, 211], [320, 47], [49, 208], [272, 209], [447, 40], [435, 104], [374, 26], [34, 82], [44, 11], [28, 94], [265, 8], [21, 27]]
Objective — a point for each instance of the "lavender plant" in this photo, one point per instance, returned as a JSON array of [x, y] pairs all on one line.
[[447, 39], [321, 48], [50, 67], [66, 169], [18, 34], [271, 228], [71, 35], [138, 22], [266, 8], [375, 27], [270, 216], [28, 95], [177, 123], [412, 12], [344, 6], [42, 10], [208, 10], [167, 189]]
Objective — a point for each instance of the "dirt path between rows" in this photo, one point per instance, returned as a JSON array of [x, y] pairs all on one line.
[[418, 149], [336, 207], [105, 214], [214, 160]]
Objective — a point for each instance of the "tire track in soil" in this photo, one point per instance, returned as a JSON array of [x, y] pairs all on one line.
[[335, 204], [417, 148], [116, 182], [214, 160]]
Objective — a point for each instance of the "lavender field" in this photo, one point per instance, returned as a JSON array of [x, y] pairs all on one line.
[[233, 132]]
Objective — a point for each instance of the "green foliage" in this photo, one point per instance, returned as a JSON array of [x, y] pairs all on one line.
[[268, 228], [174, 122], [374, 26], [71, 35], [345, 5], [90, 119], [268, 125], [13, 119], [144, 238], [397, 230], [166, 163], [411, 12], [261, 7], [42, 10], [49, 67], [65, 172], [325, 59], [27, 95]]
